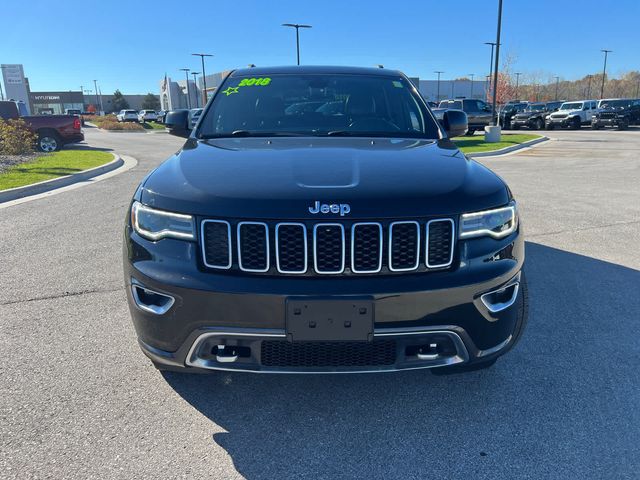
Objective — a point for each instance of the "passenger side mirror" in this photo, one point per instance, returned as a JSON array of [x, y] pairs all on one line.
[[177, 122], [455, 123]]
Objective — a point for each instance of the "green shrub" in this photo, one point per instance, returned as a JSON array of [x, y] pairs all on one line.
[[16, 138]]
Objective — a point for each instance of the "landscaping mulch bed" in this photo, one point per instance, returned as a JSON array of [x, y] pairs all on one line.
[[7, 161]]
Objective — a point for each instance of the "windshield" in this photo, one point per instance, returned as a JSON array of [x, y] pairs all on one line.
[[571, 106], [318, 105], [535, 107], [615, 104]]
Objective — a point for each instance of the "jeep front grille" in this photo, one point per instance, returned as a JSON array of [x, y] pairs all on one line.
[[328, 248]]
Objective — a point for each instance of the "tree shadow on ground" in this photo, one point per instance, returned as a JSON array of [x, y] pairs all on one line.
[[563, 404]]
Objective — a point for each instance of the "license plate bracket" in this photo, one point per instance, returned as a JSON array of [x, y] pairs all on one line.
[[329, 320]]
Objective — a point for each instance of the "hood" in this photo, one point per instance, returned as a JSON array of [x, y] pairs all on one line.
[[280, 178]]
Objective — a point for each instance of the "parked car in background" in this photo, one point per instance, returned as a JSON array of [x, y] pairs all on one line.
[[194, 115], [533, 115], [617, 112], [160, 116], [509, 110], [127, 116], [75, 111], [147, 116], [478, 112], [53, 131], [572, 114]]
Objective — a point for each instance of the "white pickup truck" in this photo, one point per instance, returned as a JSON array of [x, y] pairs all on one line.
[[572, 114]]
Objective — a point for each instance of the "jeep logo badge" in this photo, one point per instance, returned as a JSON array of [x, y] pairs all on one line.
[[341, 208]]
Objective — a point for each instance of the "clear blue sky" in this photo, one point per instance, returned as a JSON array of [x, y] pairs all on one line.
[[62, 48]]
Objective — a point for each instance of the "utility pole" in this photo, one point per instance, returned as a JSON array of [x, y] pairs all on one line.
[[204, 76], [297, 26], [195, 83], [438, 94], [517, 74], [95, 84], [495, 70], [186, 75], [471, 75], [490, 66], [604, 71], [557, 80], [589, 87]]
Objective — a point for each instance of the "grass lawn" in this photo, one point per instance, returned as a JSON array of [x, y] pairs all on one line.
[[477, 143], [152, 126], [52, 165]]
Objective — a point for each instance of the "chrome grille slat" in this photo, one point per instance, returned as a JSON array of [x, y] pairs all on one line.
[[400, 247], [286, 253], [329, 253], [214, 255], [344, 247], [258, 250], [360, 248], [435, 250]]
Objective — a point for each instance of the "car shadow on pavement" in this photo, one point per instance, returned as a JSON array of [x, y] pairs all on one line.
[[78, 146], [563, 404]]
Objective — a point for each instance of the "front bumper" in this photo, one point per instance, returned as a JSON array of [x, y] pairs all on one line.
[[214, 317]]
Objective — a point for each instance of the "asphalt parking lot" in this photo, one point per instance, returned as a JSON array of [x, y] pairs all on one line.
[[79, 400]]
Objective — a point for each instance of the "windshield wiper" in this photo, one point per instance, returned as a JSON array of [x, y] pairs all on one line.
[[252, 133]]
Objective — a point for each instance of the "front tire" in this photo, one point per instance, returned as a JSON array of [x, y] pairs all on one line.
[[470, 132], [539, 124]]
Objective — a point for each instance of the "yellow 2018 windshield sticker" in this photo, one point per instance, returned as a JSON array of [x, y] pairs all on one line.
[[258, 82], [248, 82]]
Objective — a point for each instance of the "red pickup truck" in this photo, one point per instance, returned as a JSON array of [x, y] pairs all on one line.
[[54, 131]]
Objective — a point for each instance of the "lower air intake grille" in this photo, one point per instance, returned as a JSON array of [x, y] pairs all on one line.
[[278, 353]]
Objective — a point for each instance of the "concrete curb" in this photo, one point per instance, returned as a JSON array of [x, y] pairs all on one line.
[[504, 151], [54, 183]]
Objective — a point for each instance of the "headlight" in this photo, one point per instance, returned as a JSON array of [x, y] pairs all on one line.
[[497, 223], [157, 224], [547, 117]]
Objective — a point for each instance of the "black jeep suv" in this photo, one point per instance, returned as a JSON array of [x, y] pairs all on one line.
[[354, 238], [509, 110], [618, 112], [533, 115]]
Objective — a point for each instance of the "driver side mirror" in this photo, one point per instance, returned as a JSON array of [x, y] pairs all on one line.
[[455, 123], [177, 122]]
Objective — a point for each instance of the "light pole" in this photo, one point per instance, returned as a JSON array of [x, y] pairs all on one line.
[[557, 80], [638, 88], [453, 84], [438, 94], [297, 26], [95, 84], [495, 70], [604, 71], [195, 74], [471, 75], [517, 74], [186, 75], [589, 87], [204, 76]]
